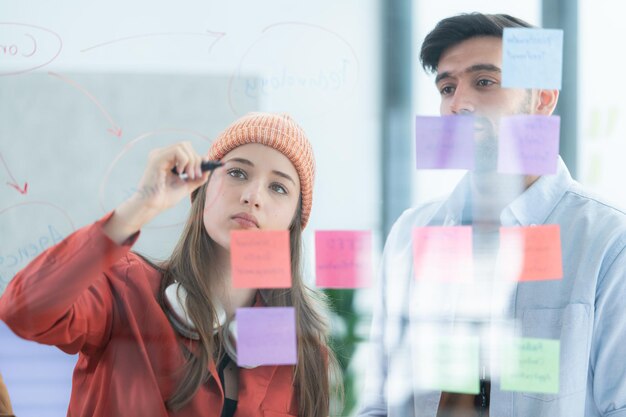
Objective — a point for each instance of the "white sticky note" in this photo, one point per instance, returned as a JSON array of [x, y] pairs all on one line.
[[532, 58]]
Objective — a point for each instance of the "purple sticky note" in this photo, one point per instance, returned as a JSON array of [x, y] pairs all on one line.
[[444, 142], [266, 336], [528, 144]]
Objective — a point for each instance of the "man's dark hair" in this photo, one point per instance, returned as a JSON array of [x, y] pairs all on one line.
[[456, 29]]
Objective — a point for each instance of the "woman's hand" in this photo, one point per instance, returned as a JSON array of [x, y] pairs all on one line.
[[5, 401], [158, 189]]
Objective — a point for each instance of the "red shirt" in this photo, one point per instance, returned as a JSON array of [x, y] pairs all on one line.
[[90, 296]]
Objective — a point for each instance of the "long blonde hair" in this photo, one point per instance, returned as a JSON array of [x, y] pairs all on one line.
[[193, 265]]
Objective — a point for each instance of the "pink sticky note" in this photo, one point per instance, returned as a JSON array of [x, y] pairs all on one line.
[[528, 144], [343, 259], [266, 336], [442, 253], [444, 142], [532, 253], [260, 259]]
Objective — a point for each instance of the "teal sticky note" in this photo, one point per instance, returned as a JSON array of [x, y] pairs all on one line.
[[447, 363], [532, 58], [530, 365]]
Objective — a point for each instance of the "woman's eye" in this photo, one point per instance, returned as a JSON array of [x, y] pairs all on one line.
[[278, 188], [237, 173]]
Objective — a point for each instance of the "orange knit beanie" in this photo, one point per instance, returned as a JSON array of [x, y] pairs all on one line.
[[280, 132]]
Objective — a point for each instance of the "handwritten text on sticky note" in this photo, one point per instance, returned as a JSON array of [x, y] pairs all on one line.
[[442, 253], [343, 259], [446, 362], [529, 144], [531, 253], [530, 365], [266, 336], [532, 58], [260, 259], [444, 142]]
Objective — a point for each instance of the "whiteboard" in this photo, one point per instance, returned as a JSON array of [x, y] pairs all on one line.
[[80, 144]]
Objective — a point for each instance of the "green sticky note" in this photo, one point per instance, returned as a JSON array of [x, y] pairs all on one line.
[[449, 364], [531, 365]]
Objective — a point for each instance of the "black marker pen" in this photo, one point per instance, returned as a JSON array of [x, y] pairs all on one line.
[[205, 166]]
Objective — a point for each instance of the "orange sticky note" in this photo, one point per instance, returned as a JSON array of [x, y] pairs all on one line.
[[343, 259], [532, 253], [443, 253], [260, 259]]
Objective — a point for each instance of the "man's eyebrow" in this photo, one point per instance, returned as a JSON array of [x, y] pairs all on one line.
[[439, 77], [483, 67], [473, 68]]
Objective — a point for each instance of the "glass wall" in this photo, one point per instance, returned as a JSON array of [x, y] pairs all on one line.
[[87, 90]]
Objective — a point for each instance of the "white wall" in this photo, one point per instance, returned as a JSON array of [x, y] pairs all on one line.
[[602, 129]]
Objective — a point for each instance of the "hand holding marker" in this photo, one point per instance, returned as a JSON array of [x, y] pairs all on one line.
[[205, 166]]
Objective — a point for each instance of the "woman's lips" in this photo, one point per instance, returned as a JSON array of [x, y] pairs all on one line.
[[246, 220]]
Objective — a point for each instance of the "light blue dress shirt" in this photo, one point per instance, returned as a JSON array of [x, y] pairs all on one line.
[[585, 310]]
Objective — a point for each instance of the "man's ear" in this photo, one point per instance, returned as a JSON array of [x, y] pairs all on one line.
[[546, 101]]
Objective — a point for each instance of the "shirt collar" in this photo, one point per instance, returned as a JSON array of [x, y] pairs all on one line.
[[452, 208], [533, 206]]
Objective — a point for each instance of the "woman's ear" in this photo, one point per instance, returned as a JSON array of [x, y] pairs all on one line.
[[546, 101]]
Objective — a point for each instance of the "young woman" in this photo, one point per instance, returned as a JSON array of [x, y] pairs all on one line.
[[155, 340]]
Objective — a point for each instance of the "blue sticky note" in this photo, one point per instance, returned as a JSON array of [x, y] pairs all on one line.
[[532, 58], [444, 142]]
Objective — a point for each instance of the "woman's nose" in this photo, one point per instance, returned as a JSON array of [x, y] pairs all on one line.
[[251, 195]]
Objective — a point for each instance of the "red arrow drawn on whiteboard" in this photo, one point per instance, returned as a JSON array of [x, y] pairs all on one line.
[[114, 129], [14, 183], [216, 35]]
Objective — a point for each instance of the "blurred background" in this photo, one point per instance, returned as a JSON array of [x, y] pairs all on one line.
[[87, 89]]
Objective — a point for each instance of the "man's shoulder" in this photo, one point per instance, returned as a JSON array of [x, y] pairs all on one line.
[[420, 215], [590, 204], [589, 216]]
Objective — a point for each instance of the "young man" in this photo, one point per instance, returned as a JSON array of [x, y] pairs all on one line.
[[425, 330]]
